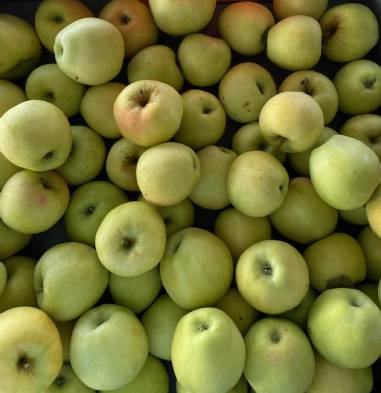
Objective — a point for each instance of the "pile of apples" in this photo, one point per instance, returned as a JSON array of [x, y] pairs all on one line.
[[281, 298]]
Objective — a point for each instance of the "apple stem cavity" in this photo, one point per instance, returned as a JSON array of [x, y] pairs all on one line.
[[329, 31], [24, 363], [267, 269], [125, 19], [260, 87], [306, 85], [369, 84], [275, 337], [60, 381], [202, 326]]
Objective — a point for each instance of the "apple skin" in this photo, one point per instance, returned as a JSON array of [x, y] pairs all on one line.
[[11, 242], [148, 112], [373, 209], [371, 290], [379, 291], [241, 387], [350, 31], [312, 8], [10, 96], [20, 47], [135, 22], [355, 216], [90, 51], [344, 186], [214, 362], [31, 350], [344, 321], [53, 15], [280, 358], [3, 278], [26, 193], [371, 245], [65, 330], [108, 348]]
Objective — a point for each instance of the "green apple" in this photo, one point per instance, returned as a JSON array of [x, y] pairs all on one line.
[[35, 135], [65, 330], [27, 193], [30, 350], [97, 107], [379, 291], [279, 359], [136, 293], [196, 269], [135, 22], [257, 183], [272, 276], [204, 120], [345, 172], [355, 216], [371, 245], [208, 351], [344, 326], [239, 231], [286, 8], [19, 289], [90, 51], [3, 278], [156, 62], [350, 31], [49, 83], [167, 173], [241, 387], [108, 348], [244, 90], [20, 47], [303, 217], [53, 15], [89, 205], [203, 59], [86, 158], [373, 209], [68, 280], [244, 27], [67, 382], [131, 239], [11, 242], [291, 121], [176, 17], [371, 290], [148, 112], [160, 321], [210, 191], [10, 96]]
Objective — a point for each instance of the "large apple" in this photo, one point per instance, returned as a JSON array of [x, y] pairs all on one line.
[[11, 242], [10, 96]]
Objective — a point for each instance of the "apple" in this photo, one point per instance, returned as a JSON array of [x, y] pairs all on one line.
[[196, 269], [10, 96], [204, 120], [241, 387], [371, 245], [131, 239], [108, 348], [35, 135], [371, 290], [135, 22], [67, 382], [203, 59], [355, 216], [373, 209], [3, 278], [97, 107], [65, 330], [26, 193], [208, 351], [244, 90], [30, 350], [343, 322], [148, 112], [90, 51], [272, 276], [379, 291], [89, 205], [350, 31], [286, 8], [156, 62], [11, 242]]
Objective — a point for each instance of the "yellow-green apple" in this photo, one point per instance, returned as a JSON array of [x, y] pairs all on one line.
[[148, 112], [35, 135], [90, 51], [3, 278], [354, 216], [30, 350], [286, 8], [371, 290], [204, 119], [272, 276], [156, 62], [53, 15], [26, 194], [280, 358], [343, 322], [160, 321], [210, 191], [135, 22], [244, 90], [131, 239], [257, 183], [167, 173], [373, 211], [371, 245], [97, 108], [108, 348], [345, 172], [304, 217], [89, 205], [68, 280], [65, 329], [11, 242], [180, 17], [350, 31], [196, 269], [20, 47], [241, 387], [203, 59], [208, 351], [10, 96]]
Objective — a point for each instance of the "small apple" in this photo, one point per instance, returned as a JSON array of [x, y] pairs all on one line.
[[11, 242], [67, 382], [354, 216], [313, 8], [10, 96], [371, 245]]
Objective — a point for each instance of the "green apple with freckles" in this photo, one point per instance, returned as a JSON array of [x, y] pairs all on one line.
[[10, 96], [11, 242], [371, 245], [313, 8]]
